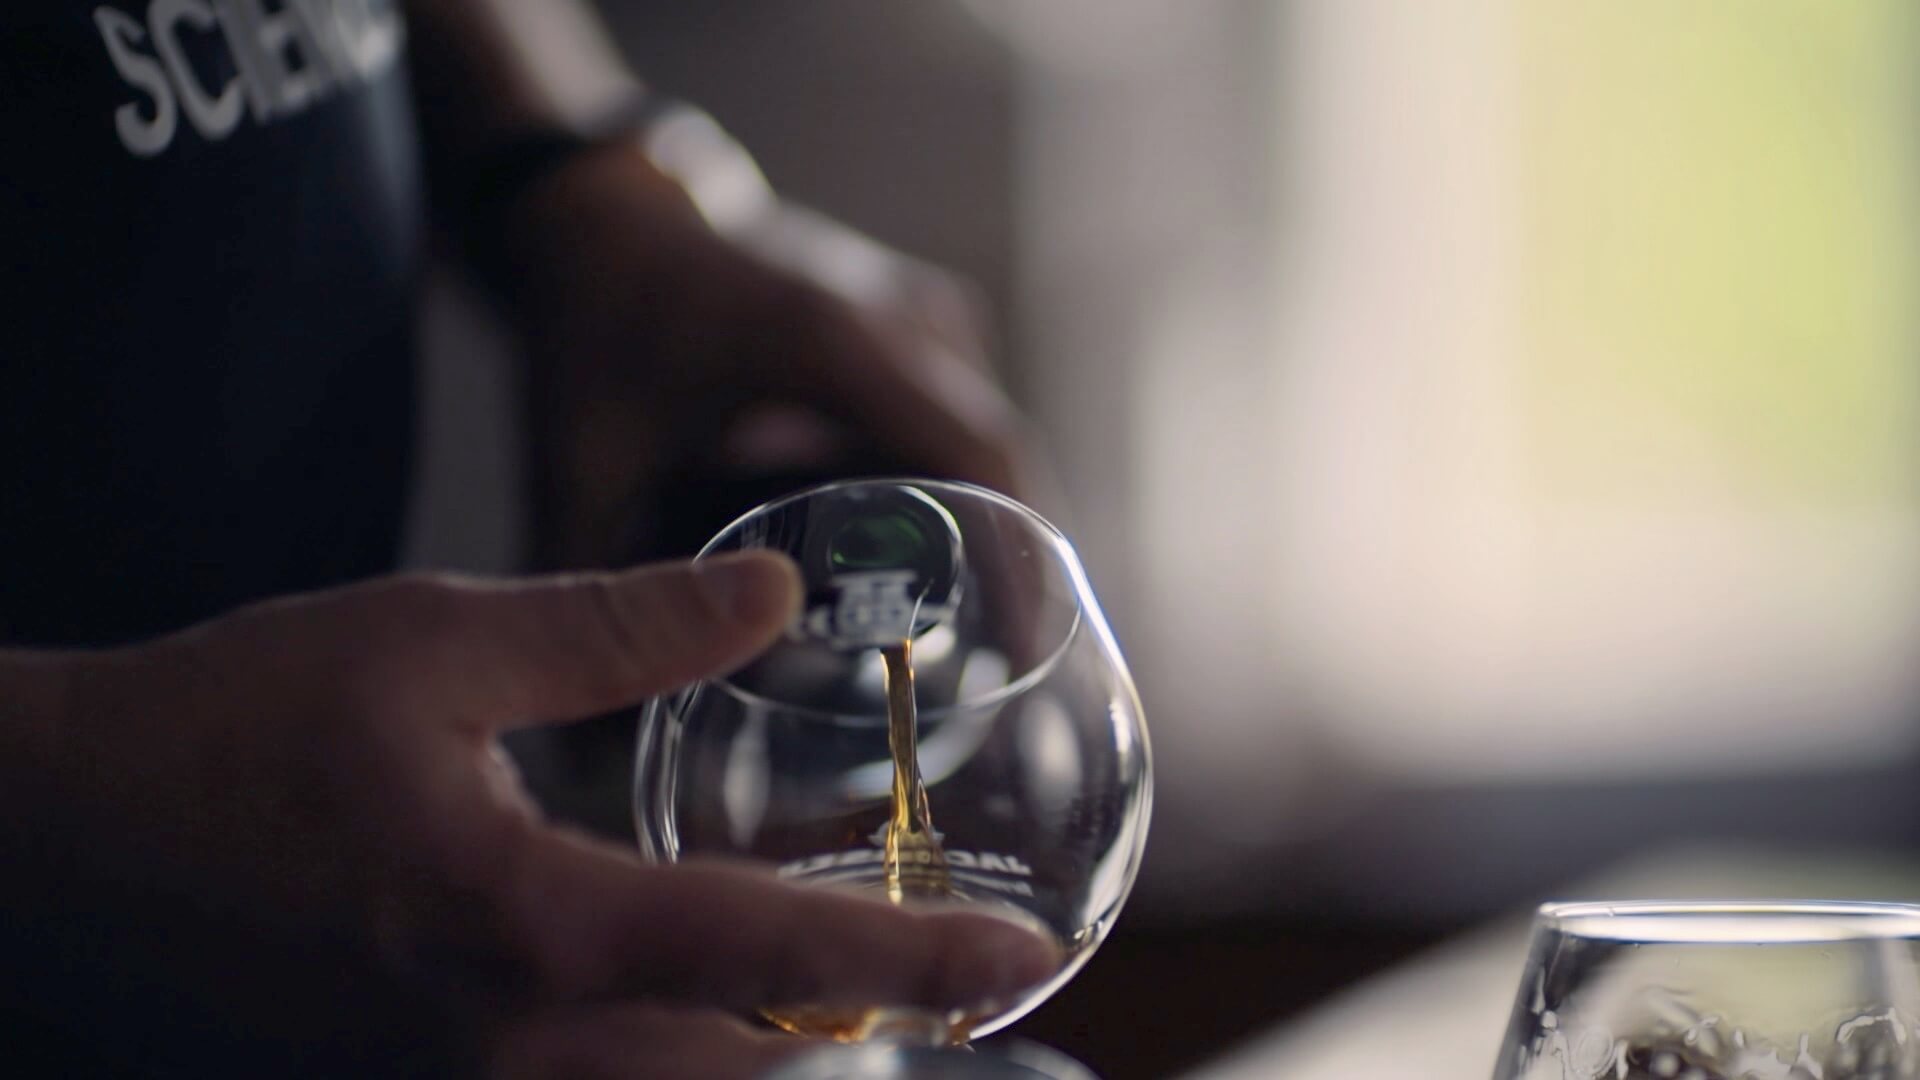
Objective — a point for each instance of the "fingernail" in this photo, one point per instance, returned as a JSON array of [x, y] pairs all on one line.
[[754, 587], [1025, 960]]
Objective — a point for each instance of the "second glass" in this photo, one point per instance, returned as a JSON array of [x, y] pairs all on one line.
[[1733, 990], [948, 721]]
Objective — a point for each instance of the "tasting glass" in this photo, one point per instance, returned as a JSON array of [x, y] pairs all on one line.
[[1030, 737]]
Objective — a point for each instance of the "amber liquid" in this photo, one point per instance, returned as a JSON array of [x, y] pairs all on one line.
[[857, 1024], [913, 868], [912, 860]]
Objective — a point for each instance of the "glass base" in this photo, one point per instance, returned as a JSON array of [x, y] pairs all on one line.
[[856, 1024], [1010, 1060]]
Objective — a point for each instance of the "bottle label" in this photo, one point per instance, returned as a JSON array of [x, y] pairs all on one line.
[[869, 609]]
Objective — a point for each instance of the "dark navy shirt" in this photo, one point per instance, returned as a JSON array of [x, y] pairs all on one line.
[[211, 230]]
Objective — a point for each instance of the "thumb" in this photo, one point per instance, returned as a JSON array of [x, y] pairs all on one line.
[[491, 655]]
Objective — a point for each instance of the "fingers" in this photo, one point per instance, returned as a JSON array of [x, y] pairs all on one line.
[[920, 396], [566, 647], [600, 922], [626, 1040], [951, 310], [493, 655]]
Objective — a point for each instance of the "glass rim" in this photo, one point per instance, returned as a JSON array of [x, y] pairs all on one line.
[[1753, 921], [959, 486], [1056, 541]]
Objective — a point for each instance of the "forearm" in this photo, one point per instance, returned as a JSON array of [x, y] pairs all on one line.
[[489, 71], [34, 694]]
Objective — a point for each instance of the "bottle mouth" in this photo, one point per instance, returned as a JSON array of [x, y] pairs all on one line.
[[901, 574], [1751, 922]]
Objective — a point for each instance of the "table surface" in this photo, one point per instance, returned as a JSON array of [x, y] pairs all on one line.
[[1440, 1016]]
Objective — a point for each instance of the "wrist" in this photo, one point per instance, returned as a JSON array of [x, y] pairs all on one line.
[[650, 154], [589, 225]]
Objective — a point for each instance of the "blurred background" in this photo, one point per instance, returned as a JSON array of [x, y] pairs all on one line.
[[1491, 427]]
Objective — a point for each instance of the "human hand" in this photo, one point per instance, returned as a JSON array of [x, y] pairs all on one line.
[[669, 350], [289, 836]]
